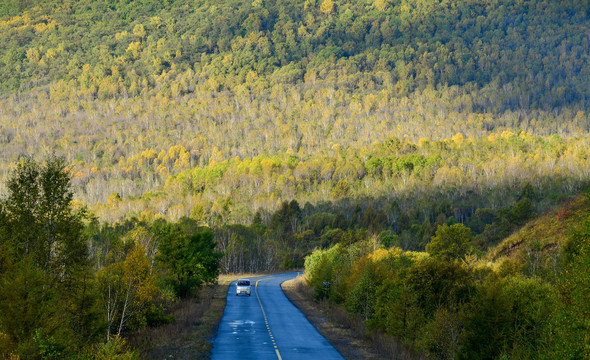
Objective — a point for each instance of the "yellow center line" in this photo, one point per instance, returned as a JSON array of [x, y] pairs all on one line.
[[266, 321]]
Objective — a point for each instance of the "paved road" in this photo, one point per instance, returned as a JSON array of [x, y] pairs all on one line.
[[267, 325]]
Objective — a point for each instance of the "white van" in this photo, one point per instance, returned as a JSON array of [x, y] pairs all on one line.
[[243, 287]]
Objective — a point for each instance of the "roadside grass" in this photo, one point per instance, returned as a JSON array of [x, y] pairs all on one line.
[[196, 321], [347, 333]]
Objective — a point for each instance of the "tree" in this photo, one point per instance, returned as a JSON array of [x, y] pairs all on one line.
[[439, 283], [127, 289], [26, 304], [442, 334], [341, 190], [327, 6], [362, 297], [509, 317], [450, 242], [44, 259], [191, 260], [286, 219], [40, 219]]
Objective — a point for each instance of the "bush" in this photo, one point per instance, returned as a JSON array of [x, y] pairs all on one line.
[[114, 350]]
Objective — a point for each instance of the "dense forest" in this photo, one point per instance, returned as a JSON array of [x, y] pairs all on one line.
[[134, 94], [71, 288], [285, 133], [526, 299]]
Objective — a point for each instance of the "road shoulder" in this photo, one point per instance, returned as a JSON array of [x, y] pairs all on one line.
[[350, 345]]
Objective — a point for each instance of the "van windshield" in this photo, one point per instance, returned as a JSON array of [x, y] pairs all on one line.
[[243, 283]]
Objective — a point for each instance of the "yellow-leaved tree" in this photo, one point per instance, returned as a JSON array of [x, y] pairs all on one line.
[[127, 289]]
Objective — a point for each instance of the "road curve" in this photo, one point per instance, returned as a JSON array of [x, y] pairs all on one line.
[[267, 325]]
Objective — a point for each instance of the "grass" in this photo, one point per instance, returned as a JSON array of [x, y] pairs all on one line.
[[547, 233], [189, 336]]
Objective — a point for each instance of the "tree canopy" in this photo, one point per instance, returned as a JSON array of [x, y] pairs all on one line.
[[450, 242]]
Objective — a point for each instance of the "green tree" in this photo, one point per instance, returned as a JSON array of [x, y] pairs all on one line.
[[397, 311], [439, 283], [362, 297], [40, 221], [508, 317], [27, 304], [487, 323], [450, 242], [44, 260], [191, 260], [441, 335]]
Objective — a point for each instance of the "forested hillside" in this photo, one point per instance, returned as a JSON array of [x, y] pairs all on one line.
[[153, 103], [408, 137], [535, 52]]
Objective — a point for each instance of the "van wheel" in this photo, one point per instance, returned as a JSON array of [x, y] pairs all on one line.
[[236, 294], [249, 294]]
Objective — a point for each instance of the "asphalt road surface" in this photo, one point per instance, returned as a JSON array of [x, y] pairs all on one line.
[[267, 325]]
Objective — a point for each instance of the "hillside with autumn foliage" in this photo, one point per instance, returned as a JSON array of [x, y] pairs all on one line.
[[259, 133], [156, 105]]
